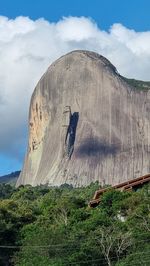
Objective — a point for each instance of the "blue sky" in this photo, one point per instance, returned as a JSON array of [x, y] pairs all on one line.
[[100, 18], [131, 13]]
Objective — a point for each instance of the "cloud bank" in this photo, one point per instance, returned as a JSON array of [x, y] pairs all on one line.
[[28, 47]]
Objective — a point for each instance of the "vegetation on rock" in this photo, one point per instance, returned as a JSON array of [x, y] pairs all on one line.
[[138, 84]]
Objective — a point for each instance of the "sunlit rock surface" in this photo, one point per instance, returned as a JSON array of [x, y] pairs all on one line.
[[86, 124]]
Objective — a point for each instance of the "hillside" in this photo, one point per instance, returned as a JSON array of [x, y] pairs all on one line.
[[55, 227], [10, 178]]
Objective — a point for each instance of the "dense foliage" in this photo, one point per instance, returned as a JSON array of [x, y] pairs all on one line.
[[54, 226], [138, 84]]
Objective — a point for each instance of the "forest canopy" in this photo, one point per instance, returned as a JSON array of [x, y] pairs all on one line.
[[51, 226]]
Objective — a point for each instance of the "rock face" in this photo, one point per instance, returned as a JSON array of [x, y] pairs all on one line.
[[86, 124]]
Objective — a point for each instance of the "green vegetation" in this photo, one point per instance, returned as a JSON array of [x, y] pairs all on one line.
[[10, 178], [54, 226], [138, 84]]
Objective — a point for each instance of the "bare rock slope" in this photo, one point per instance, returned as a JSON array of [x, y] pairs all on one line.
[[86, 123]]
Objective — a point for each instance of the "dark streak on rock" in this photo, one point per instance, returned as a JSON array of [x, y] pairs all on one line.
[[95, 147]]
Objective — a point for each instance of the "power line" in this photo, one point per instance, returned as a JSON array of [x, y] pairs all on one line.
[[80, 238], [147, 255], [58, 246], [104, 259]]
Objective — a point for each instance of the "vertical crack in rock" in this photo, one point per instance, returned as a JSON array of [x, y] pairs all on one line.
[[70, 122], [71, 134]]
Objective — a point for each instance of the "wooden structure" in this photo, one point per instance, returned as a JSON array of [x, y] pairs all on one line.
[[125, 186]]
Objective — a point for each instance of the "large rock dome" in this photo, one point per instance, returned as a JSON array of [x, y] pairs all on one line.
[[86, 124]]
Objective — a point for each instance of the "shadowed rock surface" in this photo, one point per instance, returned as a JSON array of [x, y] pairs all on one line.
[[86, 123]]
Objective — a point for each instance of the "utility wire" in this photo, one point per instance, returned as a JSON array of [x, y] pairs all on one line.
[[146, 258], [58, 246], [98, 260]]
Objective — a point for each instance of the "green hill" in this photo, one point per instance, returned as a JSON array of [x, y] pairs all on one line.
[[10, 178], [54, 227]]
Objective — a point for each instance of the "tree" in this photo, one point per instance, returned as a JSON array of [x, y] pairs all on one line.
[[113, 242]]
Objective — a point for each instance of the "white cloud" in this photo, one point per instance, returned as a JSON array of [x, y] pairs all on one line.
[[28, 47]]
